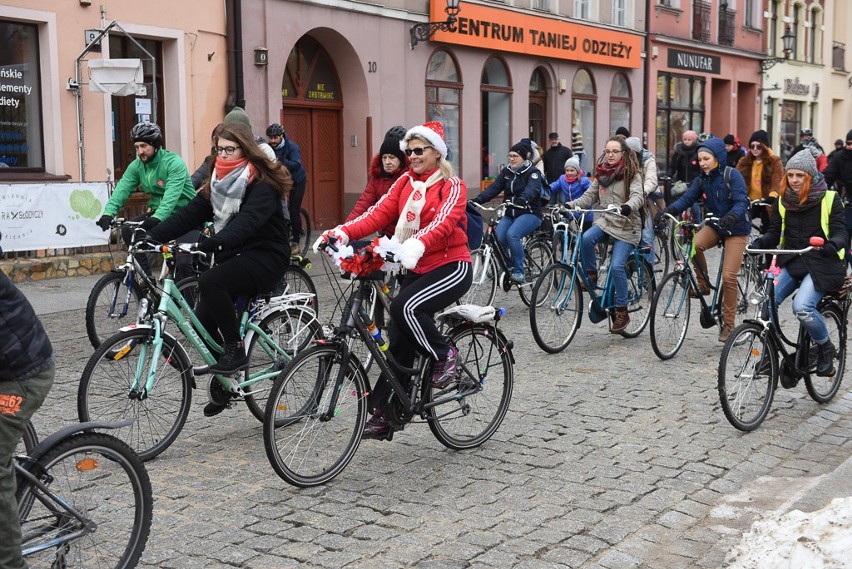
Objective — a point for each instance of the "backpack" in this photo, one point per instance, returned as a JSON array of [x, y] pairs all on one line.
[[475, 227], [545, 192]]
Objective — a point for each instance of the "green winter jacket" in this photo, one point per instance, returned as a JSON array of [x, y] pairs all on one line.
[[165, 178]]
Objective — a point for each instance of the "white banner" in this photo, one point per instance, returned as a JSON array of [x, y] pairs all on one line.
[[51, 216]]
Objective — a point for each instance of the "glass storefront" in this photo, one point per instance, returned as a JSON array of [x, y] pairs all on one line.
[[20, 98], [680, 107]]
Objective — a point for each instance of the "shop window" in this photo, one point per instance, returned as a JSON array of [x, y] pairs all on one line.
[[791, 124], [680, 107], [443, 100], [21, 133], [585, 100], [619, 106], [496, 110]]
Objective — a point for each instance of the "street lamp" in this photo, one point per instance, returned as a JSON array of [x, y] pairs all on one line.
[[424, 31], [788, 41]]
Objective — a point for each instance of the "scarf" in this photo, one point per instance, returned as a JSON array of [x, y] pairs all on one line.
[[608, 173], [572, 179], [227, 188], [790, 199], [409, 218]]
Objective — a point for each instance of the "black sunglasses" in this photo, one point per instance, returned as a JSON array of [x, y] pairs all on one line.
[[416, 151]]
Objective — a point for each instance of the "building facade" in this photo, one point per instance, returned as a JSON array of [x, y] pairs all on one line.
[[704, 70], [338, 76]]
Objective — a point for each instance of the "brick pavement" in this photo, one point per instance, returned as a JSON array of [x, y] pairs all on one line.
[[608, 458]]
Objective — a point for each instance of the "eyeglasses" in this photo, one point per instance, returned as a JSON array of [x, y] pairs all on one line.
[[612, 152], [227, 150], [416, 151], [757, 146]]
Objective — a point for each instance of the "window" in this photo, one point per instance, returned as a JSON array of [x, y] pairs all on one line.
[[753, 14], [496, 110], [773, 27], [619, 13], [701, 20], [680, 107], [20, 98], [585, 100], [791, 124], [797, 29], [669, 4], [443, 100], [814, 37], [727, 22], [581, 9], [538, 105], [543, 5], [619, 106]]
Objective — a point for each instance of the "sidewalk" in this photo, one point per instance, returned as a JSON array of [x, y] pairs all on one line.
[[58, 295]]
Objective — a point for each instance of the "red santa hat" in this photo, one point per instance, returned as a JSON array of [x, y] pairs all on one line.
[[433, 131]]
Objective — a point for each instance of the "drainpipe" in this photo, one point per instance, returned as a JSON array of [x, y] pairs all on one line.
[[236, 91], [647, 79]]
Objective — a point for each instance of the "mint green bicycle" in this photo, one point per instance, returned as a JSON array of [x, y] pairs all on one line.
[[144, 373]]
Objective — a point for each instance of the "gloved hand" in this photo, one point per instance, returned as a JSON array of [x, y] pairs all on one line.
[[149, 223], [211, 245], [829, 249], [410, 252], [728, 221], [756, 243], [520, 201], [626, 210], [338, 234], [104, 222]]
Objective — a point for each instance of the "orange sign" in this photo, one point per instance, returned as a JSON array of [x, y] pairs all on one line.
[[503, 30]]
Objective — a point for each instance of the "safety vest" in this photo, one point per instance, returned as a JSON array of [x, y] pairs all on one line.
[[825, 213]]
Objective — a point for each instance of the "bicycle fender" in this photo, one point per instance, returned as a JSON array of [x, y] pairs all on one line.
[[135, 327], [66, 432]]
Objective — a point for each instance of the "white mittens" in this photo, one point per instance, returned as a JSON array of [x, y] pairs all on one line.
[[337, 233], [410, 252]]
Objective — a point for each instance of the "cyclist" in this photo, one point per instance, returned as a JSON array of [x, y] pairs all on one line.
[[159, 173], [618, 182], [242, 199], [428, 205], [730, 204], [653, 197], [26, 375], [571, 186], [763, 175], [806, 209], [288, 153], [521, 184]]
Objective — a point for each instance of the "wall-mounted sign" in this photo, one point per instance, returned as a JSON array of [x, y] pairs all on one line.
[[794, 87], [691, 61], [503, 30]]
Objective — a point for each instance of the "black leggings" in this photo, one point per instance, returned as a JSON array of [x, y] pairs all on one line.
[[295, 205], [220, 286], [412, 325]]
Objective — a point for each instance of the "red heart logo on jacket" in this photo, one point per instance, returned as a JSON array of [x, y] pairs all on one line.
[[409, 217], [417, 195]]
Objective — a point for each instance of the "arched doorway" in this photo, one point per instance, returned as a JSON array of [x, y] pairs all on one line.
[[538, 106], [311, 109]]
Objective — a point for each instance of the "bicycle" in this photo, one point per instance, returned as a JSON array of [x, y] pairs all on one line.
[[116, 296], [671, 307], [754, 359], [556, 309], [317, 409], [84, 499], [121, 377], [490, 264], [305, 234]]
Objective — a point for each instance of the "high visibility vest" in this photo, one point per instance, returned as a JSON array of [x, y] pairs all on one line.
[[825, 213]]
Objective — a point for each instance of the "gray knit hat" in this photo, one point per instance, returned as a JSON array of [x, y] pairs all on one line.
[[634, 144], [803, 160], [573, 162], [237, 115]]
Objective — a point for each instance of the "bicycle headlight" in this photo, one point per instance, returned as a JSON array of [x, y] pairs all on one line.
[[756, 297]]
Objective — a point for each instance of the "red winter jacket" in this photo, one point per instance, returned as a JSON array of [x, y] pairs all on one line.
[[443, 221], [377, 186]]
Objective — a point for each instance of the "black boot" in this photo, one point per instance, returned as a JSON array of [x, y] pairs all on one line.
[[825, 359], [377, 427], [233, 359]]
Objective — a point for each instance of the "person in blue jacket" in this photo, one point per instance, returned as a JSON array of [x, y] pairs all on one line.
[[289, 154], [521, 184], [728, 202], [571, 186]]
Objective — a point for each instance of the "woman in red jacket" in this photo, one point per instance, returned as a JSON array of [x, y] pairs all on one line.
[[426, 207], [385, 168]]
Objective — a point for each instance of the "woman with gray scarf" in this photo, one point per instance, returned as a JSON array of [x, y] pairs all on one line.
[[242, 197]]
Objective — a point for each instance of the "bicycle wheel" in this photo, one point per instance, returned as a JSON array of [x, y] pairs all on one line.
[[483, 289], [538, 254], [104, 480], [306, 231], [749, 279], [482, 393], [748, 372], [110, 306], [104, 393], [296, 279], [291, 329], [670, 315], [640, 295], [307, 443], [557, 308], [823, 389]]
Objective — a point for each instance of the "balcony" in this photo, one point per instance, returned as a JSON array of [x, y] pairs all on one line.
[[838, 56], [701, 21], [727, 25], [543, 5]]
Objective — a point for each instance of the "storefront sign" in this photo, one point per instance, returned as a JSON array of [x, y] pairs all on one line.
[[794, 87], [43, 216], [502, 30], [690, 61]]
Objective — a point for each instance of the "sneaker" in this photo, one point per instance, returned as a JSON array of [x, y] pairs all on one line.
[[212, 409], [622, 319], [517, 278], [444, 372], [725, 333], [377, 427], [703, 290], [233, 360], [825, 359]]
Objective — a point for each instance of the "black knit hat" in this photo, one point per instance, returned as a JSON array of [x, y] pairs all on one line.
[[391, 146], [760, 136], [849, 136], [729, 139], [623, 132], [522, 149]]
